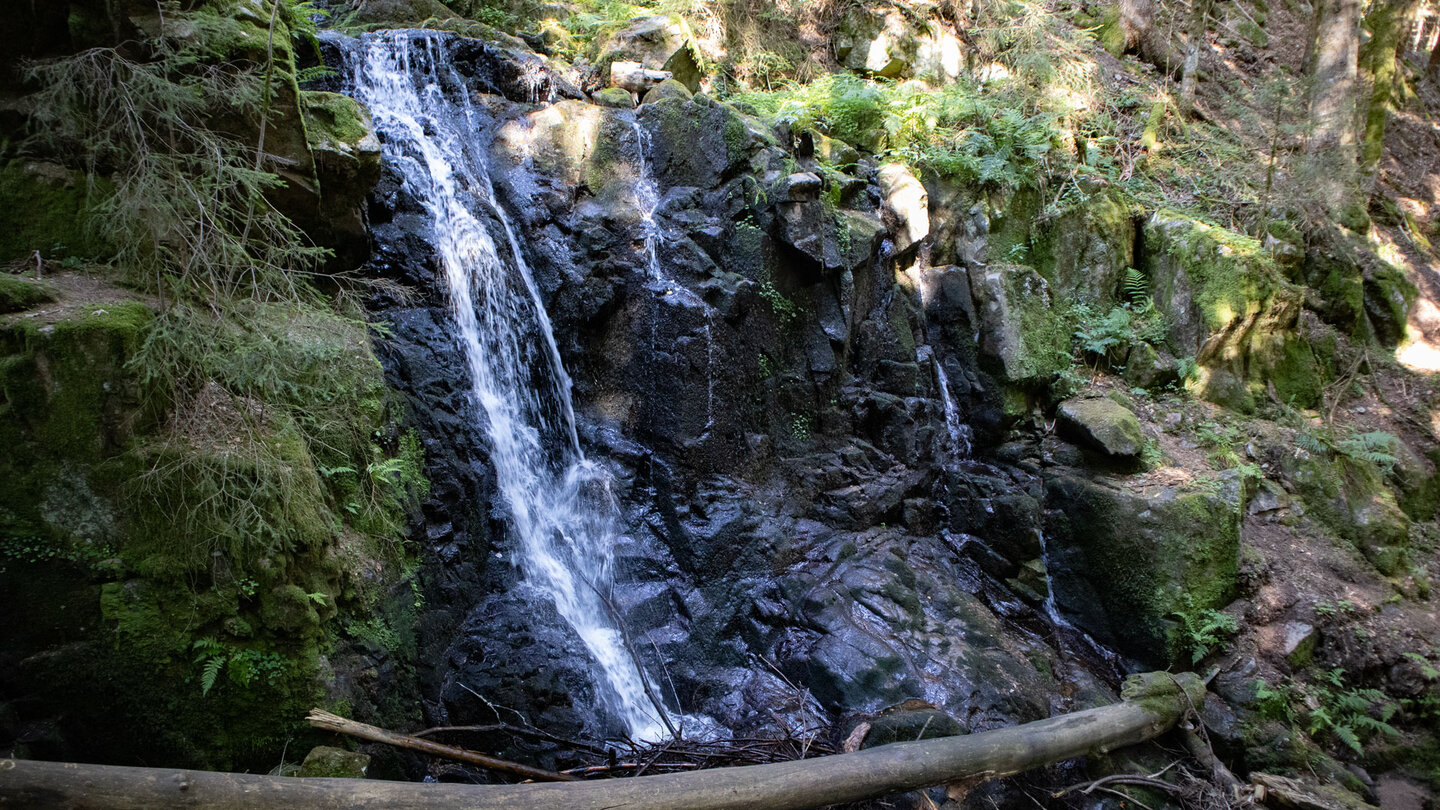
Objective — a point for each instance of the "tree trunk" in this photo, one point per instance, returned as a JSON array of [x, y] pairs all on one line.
[[1333, 108], [1153, 704], [1387, 23], [1195, 40]]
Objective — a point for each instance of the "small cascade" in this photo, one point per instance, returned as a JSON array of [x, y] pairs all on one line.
[[647, 202], [1063, 626], [958, 431], [560, 505]]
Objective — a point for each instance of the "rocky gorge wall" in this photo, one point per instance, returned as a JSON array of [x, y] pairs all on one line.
[[856, 457]]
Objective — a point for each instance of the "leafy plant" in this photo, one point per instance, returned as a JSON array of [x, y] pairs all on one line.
[[784, 309], [242, 666], [1136, 289], [1375, 447], [1350, 715], [1203, 631]]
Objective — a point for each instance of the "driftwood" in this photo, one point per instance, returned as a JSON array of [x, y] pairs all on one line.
[[331, 722], [1153, 704]]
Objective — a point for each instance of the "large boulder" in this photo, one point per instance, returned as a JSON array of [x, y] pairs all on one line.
[[1102, 424], [658, 43], [1022, 338], [1085, 250], [905, 205], [893, 43], [1124, 562]]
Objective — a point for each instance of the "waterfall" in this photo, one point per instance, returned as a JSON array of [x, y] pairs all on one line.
[[562, 514], [647, 202]]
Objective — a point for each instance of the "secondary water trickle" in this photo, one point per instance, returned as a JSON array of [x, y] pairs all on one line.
[[647, 202], [560, 506]]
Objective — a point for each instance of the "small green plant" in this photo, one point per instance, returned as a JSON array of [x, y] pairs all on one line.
[[801, 427], [784, 309], [1278, 701], [1351, 715], [1222, 442], [1375, 447], [242, 666], [1341, 607], [1203, 631], [1136, 289]]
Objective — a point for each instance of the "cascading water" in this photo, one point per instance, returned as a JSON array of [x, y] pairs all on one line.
[[647, 202], [560, 506]]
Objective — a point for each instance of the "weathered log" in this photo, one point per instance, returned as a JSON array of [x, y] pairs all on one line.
[[326, 721], [1153, 703]]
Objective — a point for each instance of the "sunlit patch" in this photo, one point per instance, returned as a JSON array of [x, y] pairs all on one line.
[[1420, 355]]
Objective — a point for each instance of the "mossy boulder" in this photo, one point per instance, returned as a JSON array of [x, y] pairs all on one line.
[[1085, 251], [1349, 497], [662, 42], [701, 142], [43, 209], [18, 293], [1388, 296], [616, 97], [1103, 425], [1232, 311], [1024, 337], [670, 88], [895, 44], [1123, 562], [334, 763]]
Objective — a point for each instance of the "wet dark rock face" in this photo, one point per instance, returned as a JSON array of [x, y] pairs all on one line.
[[802, 542]]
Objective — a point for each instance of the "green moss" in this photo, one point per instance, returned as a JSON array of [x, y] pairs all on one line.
[[43, 208], [1297, 375], [1010, 226], [18, 294], [65, 381], [1230, 273], [615, 97], [333, 117]]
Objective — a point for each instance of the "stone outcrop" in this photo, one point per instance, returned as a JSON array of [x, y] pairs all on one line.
[[1102, 424], [900, 43], [657, 43]]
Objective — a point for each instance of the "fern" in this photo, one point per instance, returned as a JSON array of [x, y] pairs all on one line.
[[212, 657], [1136, 288], [1376, 447]]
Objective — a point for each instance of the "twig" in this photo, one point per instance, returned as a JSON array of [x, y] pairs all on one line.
[[330, 722], [532, 733]]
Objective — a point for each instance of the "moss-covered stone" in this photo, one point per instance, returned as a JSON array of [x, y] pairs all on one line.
[[1084, 251], [668, 89], [334, 763], [19, 293], [1024, 336], [1124, 563], [616, 97], [1104, 425], [43, 209], [1388, 296]]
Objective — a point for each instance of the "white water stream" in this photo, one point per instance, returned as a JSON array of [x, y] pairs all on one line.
[[560, 507]]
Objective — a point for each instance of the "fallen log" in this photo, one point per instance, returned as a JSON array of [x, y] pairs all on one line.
[[1152, 704], [326, 721]]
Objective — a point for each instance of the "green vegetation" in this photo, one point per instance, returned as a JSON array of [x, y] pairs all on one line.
[[223, 477], [1203, 631]]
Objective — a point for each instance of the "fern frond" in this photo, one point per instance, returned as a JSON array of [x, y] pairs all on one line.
[[1136, 287], [210, 672]]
